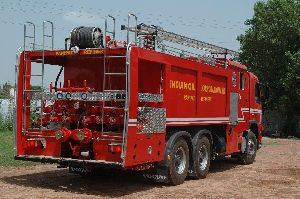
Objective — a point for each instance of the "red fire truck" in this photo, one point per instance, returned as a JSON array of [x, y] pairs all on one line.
[[145, 104]]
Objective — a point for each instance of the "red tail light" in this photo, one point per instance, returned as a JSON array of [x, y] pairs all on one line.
[[115, 148], [31, 143]]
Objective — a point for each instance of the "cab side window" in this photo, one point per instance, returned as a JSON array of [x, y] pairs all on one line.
[[257, 93], [242, 81]]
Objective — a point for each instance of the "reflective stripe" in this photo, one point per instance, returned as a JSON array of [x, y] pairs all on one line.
[[252, 110], [203, 122], [198, 119], [132, 120]]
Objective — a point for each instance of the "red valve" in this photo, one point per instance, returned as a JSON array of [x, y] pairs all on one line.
[[63, 134], [84, 136]]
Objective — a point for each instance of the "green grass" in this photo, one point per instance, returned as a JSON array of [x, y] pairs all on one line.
[[7, 152]]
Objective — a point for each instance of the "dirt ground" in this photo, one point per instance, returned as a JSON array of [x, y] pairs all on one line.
[[275, 174]]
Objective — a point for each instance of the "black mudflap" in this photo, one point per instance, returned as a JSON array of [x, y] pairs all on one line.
[[80, 169], [157, 174]]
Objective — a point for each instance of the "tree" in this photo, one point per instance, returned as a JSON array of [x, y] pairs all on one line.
[[5, 91], [271, 48]]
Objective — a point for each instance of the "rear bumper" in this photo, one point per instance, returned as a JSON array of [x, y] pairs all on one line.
[[68, 161]]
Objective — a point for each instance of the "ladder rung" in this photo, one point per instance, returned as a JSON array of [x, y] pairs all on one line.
[[123, 91], [115, 143], [30, 106], [48, 35], [106, 139], [33, 75], [111, 136], [33, 91], [115, 73], [114, 108], [111, 132], [40, 136], [34, 132], [33, 129], [29, 36]]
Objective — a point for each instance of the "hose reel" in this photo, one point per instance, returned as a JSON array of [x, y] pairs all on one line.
[[86, 37]]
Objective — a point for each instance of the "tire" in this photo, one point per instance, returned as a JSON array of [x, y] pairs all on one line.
[[178, 168], [201, 157], [249, 155]]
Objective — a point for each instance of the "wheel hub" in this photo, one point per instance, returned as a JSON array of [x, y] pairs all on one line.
[[203, 157], [251, 147], [180, 160]]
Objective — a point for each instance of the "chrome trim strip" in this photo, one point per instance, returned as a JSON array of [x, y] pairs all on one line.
[[41, 158], [127, 103]]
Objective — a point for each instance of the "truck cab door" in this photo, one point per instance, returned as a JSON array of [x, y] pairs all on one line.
[[239, 111], [255, 116]]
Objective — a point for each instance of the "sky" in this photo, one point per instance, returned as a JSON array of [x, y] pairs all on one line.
[[214, 21]]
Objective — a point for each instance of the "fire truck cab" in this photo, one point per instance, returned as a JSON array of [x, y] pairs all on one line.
[[140, 105]]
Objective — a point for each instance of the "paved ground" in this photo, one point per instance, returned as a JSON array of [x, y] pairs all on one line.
[[275, 174]]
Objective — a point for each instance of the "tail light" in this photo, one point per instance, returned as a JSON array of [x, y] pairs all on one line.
[[31, 143], [115, 148]]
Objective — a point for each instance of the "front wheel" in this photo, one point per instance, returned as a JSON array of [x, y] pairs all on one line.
[[249, 155], [179, 164]]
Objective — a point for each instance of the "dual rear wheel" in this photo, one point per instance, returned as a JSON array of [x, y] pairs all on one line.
[[202, 157], [180, 160]]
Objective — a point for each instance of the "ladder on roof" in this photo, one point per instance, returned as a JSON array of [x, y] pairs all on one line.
[[27, 77], [113, 137], [28, 35], [106, 66], [143, 29], [106, 31]]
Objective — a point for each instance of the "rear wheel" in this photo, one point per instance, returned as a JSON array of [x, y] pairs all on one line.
[[202, 157], [178, 167], [248, 156]]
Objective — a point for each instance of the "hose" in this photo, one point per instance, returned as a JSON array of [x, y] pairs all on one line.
[[57, 77]]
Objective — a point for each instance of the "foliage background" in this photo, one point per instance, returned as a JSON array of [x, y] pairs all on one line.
[[271, 49]]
